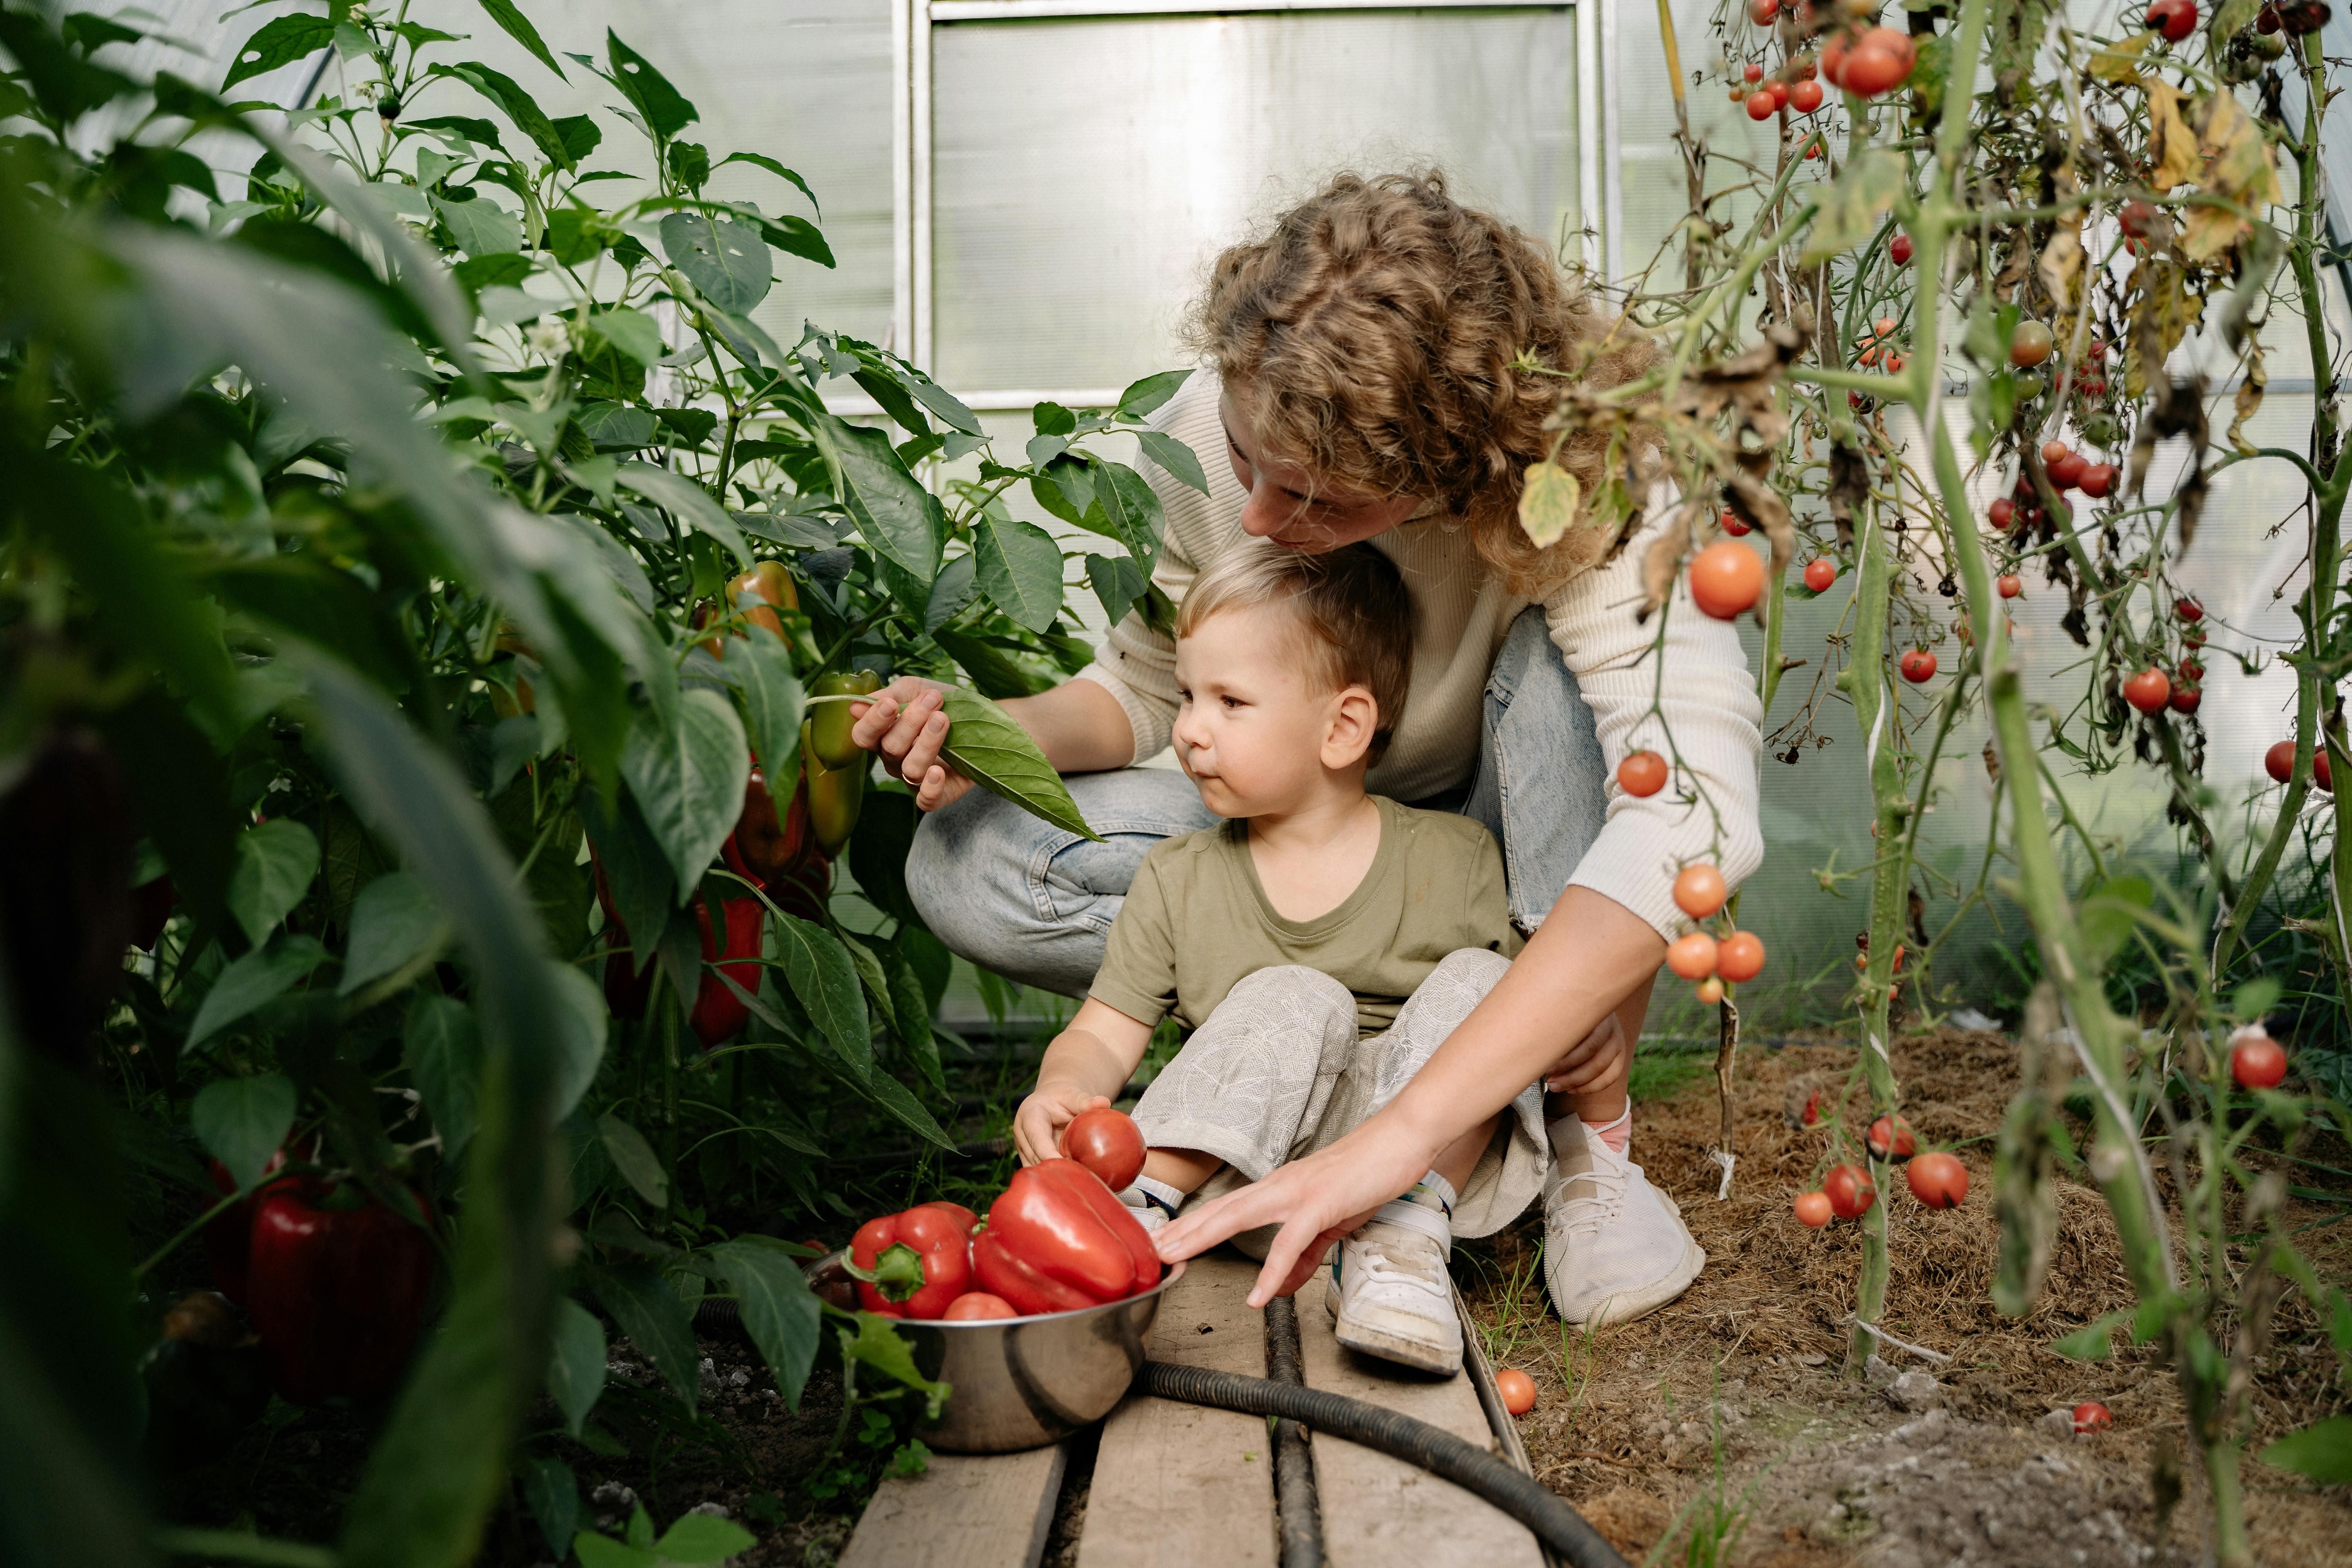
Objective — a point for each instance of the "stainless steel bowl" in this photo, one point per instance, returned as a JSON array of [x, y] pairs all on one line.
[[1023, 1383]]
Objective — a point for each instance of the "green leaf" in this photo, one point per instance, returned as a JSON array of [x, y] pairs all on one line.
[[634, 1159], [576, 1363], [1132, 508], [603, 1552], [633, 333], [701, 1538], [480, 227], [910, 1011], [2321, 1451], [1118, 582], [242, 1121], [877, 1344], [878, 848], [519, 106], [687, 501], [654, 1320], [275, 864], [726, 261], [2094, 1339], [393, 920], [1148, 394], [518, 27], [759, 667], [893, 512], [987, 746], [895, 1098], [779, 1312], [262, 975], [442, 1052], [1020, 567], [955, 586], [687, 778], [551, 1492], [2255, 999], [580, 1022], [278, 43], [1174, 456], [796, 236], [1855, 202], [644, 886], [765, 162], [579, 135], [665, 111], [824, 981]]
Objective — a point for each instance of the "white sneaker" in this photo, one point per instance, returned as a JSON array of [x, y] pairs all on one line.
[[1615, 1248], [1151, 1213], [1388, 1295]]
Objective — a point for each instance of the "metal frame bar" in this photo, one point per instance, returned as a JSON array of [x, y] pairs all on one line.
[[1588, 132], [945, 12], [1613, 198]]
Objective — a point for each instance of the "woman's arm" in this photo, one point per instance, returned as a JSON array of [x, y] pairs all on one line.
[[1087, 1066], [1586, 957], [1080, 726]]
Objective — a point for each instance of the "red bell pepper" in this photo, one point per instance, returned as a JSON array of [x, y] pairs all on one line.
[[719, 1013], [229, 1233], [1057, 1239], [913, 1265], [337, 1286]]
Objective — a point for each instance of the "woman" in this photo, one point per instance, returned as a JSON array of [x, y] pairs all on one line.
[[1365, 389]]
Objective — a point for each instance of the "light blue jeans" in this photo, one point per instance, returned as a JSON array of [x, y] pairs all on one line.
[[1033, 902]]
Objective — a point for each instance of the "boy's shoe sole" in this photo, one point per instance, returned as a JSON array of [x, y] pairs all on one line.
[[1387, 1346], [1627, 1305]]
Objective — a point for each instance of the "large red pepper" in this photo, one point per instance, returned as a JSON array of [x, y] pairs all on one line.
[[913, 1265], [228, 1235], [719, 1013], [1058, 1239], [337, 1285]]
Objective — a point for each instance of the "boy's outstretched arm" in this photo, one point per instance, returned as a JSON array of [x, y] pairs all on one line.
[[1087, 1066]]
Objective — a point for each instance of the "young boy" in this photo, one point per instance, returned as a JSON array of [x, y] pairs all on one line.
[[1319, 945]]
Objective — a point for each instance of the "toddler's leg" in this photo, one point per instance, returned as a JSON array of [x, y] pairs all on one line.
[[1255, 1076]]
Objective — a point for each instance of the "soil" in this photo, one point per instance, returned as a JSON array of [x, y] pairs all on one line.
[[1725, 1428]]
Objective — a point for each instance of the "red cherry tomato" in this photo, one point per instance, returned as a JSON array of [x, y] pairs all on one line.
[[2189, 609], [1726, 579], [1707, 992], [2097, 479], [1693, 956], [977, 1306], [1870, 70], [1900, 251], [2256, 1061], [2092, 1417], [1643, 775], [1517, 1389], [2148, 690], [2188, 672], [1753, 72], [2029, 345], [2010, 587], [2176, 19], [1820, 573], [1733, 524], [2068, 471], [1813, 1108], [1850, 1191], [1813, 150], [1918, 665], [1805, 98], [1779, 92], [1760, 106], [1739, 956], [1699, 891], [1904, 1145], [2186, 698], [1938, 1180], [2279, 761], [1814, 1209], [1107, 1143], [1761, 12], [2001, 513], [2054, 451]]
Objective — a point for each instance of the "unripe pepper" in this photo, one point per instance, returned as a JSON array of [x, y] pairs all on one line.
[[774, 849], [1057, 1239], [911, 1265], [337, 1285], [835, 795], [770, 588], [831, 721]]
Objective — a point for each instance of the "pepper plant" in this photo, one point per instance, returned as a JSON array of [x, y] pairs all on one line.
[[423, 585]]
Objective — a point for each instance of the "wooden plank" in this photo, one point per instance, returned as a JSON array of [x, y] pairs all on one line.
[[970, 1510], [1179, 1486], [1380, 1512]]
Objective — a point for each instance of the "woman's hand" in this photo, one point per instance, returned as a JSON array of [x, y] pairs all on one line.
[[1051, 1105], [1597, 1062], [906, 722]]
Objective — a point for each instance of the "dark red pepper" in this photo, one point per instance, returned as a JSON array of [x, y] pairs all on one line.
[[1058, 1239], [336, 1287], [719, 1013], [911, 1265], [228, 1234]]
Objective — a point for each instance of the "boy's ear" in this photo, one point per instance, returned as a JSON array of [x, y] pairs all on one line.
[[1355, 718]]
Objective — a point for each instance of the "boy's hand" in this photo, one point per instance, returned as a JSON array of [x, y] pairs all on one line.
[[1037, 1125], [906, 724], [1597, 1062]]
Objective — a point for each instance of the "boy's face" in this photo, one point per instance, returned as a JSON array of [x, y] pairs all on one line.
[[1256, 732]]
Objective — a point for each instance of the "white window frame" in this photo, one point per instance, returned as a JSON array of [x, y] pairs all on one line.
[[1600, 187]]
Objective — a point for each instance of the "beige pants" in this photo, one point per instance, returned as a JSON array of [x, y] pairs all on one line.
[[1277, 1072]]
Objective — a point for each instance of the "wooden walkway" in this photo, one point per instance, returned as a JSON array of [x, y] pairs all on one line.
[[1179, 1486]]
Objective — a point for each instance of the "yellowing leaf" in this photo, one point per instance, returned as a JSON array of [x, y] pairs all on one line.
[[1547, 502], [2209, 232], [2119, 62], [2171, 145], [1851, 207], [2062, 259], [2241, 166]]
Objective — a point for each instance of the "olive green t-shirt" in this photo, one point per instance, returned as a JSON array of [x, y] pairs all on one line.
[[1196, 922]]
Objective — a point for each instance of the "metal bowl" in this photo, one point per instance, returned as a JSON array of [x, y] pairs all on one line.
[[1026, 1382]]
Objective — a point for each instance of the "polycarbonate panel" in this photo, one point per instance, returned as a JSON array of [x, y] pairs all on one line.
[[1085, 172]]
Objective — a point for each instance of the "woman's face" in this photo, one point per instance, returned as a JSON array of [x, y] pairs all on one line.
[[1292, 505]]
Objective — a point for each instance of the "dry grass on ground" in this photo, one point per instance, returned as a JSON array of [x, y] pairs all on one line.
[[1726, 1415]]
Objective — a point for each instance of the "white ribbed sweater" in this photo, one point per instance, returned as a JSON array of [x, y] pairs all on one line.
[[1463, 613]]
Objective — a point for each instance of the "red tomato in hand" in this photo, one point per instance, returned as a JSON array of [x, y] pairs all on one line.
[[975, 1306], [1699, 891], [1739, 956], [1904, 1145], [1820, 573], [1517, 1389], [1107, 1143], [1814, 1209], [2092, 1417], [2148, 690], [1691, 957], [1938, 1180], [1850, 1191], [1918, 665], [1726, 578], [1641, 774], [2256, 1061]]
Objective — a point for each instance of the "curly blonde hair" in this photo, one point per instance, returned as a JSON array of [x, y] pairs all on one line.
[[1376, 326]]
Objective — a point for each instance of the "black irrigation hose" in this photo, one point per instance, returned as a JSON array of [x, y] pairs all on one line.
[[1401, 1436], [1299, 1510]]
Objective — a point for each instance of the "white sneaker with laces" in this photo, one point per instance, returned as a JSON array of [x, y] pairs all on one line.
[[1615, 1248], [1389, 1294]]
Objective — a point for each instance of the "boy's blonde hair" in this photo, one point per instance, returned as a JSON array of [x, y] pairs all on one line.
[[1351, 605]]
